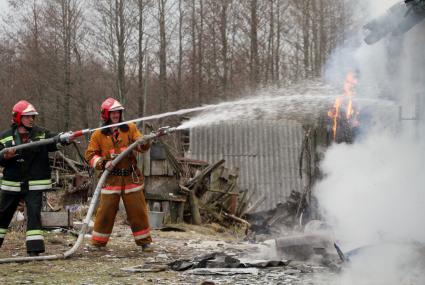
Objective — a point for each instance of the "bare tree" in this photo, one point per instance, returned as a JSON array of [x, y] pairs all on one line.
[[142, 49], [200, 51], [120, 26], [193, 52], [113, 36], [254, 57], [224, 43], [211, 50], [180, 60], [162, 55]]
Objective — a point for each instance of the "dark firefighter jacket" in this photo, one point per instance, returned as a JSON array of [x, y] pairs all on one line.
[[29, 168]]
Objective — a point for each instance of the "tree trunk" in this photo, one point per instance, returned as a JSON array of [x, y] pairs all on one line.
[[270, 57], [200, 51], [141, 56], [306, 36], [223, 33], [66, 33], [82, 103], [162, 57], [193, 60], [254, 58], [180, 64], [120, 34], [277, 51], [322, 34]]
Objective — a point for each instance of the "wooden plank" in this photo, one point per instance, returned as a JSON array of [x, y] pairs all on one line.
[[159, 167], [164, 197], [56, 219], [195, 181], [144, 162], [170, 168], [225, 173]]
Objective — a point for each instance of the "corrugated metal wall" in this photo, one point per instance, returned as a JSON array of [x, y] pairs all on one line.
[[266, 152]]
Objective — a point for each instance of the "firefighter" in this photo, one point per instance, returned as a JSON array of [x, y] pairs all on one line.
[[125, 180], [26, 174]]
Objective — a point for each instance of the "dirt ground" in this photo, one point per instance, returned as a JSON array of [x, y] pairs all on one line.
[[120, 261]]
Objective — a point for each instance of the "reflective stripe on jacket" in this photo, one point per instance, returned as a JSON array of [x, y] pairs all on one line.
[[30, 166], [104, 147]]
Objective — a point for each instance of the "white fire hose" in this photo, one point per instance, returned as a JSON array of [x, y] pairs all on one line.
[[93, 202]]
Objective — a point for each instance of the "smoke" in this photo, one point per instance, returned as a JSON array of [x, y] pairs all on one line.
[[387, 264], [372, 192]]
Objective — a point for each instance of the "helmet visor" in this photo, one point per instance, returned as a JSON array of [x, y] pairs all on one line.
[[30, 113], [117, 108]]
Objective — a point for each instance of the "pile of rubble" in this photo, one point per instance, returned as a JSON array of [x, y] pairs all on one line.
[[214, 196]]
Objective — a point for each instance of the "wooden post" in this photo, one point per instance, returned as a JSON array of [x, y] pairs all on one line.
[[194, 207]]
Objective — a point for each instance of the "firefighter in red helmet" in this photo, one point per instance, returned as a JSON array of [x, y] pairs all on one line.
[[26, 174], [125, 180], [110, 105]]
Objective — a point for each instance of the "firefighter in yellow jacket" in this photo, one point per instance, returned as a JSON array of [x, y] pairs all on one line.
[[125, 180]]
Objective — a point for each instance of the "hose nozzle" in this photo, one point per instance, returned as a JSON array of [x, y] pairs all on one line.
[[165, 131]]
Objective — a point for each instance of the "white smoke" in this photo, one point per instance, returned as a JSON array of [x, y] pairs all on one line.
[[373, 191]]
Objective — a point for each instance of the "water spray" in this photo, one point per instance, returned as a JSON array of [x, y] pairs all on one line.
[[296, 102]]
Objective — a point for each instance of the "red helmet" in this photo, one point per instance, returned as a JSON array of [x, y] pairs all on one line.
[[109, 105], [22, 108]]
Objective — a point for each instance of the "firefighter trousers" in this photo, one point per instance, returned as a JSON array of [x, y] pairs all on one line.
[[137, 215], [33, 202]]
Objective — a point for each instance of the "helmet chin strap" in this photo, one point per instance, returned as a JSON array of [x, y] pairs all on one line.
[[27, 129]]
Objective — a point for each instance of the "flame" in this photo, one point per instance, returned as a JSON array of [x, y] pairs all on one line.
[[349, 85], [344, 103]]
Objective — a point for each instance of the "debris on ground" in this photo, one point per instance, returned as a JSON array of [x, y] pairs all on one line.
[[223, 260], [122, 262]]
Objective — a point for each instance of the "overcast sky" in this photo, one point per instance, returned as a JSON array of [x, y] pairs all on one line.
[[3, 6]]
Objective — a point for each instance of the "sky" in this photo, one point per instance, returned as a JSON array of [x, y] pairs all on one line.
[[3, 6]]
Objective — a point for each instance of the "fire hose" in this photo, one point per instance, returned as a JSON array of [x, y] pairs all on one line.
[[68, 137], [84, 229], [63, 137]]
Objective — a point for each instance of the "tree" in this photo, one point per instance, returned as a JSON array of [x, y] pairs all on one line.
[[254, 57], [142, 46], [162, 55]]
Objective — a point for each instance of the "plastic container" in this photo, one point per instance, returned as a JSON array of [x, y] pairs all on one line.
[[156, 219]]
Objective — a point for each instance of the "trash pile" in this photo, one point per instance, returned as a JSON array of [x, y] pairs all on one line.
[[73, 181]]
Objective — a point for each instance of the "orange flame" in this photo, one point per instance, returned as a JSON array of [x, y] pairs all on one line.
[[335, 112], [349, 85]]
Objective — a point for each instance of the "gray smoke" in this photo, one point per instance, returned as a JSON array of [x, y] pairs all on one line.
[[373, 191]]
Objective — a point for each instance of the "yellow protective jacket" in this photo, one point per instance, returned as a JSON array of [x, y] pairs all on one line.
[[104, 147]]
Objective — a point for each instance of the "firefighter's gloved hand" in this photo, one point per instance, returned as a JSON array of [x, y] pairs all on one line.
[[62, 140], [109, 166], [100, 164], [9, 153], [143, 146]]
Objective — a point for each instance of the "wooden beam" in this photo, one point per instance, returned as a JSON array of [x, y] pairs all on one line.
[[239, 220]]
